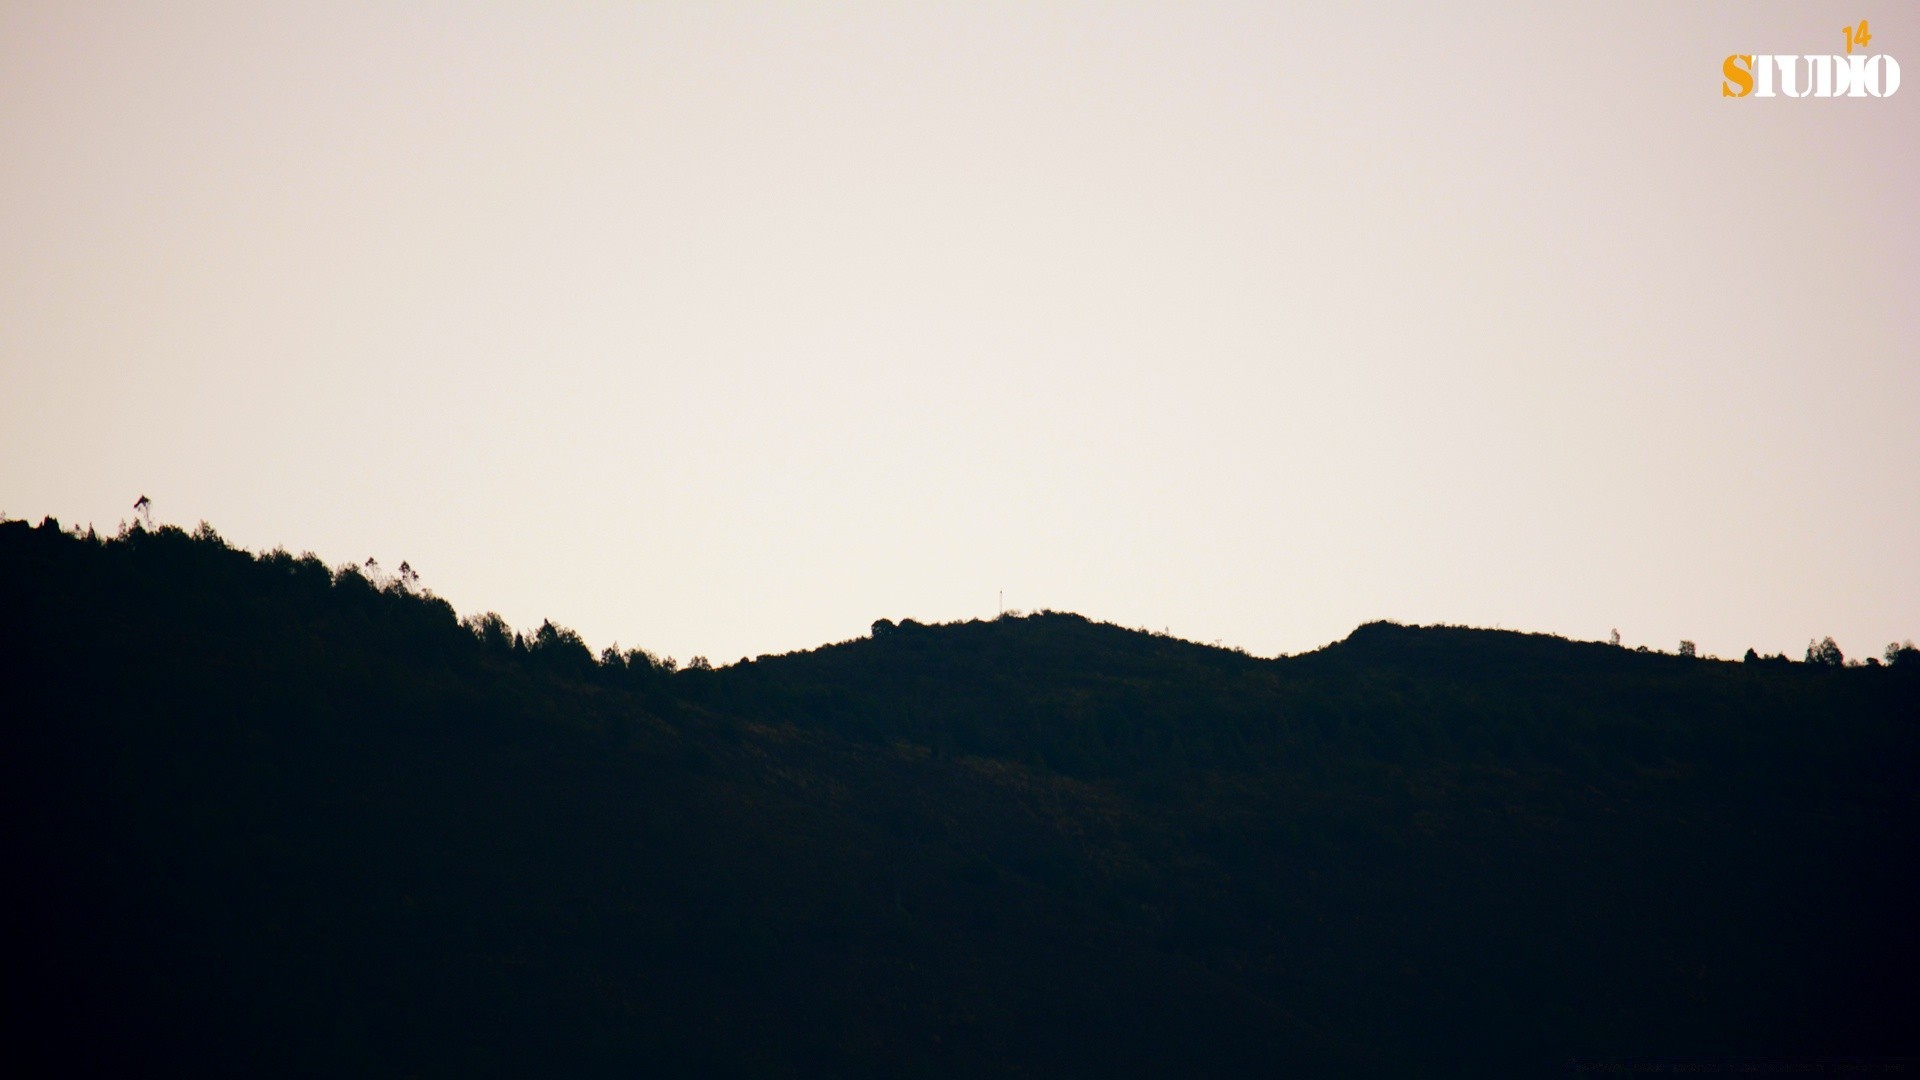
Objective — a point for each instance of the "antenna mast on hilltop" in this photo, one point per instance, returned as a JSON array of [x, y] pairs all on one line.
[[1003, 601]]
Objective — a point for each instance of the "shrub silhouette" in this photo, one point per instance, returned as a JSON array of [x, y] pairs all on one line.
[[1825, 653]]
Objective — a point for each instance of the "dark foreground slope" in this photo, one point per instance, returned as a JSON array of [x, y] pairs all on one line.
[[264, 819]]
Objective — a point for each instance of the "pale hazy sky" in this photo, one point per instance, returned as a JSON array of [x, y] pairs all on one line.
[[727, 329]]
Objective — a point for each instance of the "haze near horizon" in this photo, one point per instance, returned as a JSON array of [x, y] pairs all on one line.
[[728, 329]]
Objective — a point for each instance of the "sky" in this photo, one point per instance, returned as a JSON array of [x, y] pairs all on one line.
[[727, 329]]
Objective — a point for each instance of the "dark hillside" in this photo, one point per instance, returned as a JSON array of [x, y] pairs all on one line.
[[266, 818]]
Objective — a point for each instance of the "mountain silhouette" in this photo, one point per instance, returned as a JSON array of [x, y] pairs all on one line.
[[265, 817]]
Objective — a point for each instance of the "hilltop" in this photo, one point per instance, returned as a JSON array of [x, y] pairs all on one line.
[[268, 817]]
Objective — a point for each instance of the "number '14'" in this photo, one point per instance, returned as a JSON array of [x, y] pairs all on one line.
[[1857, 35]]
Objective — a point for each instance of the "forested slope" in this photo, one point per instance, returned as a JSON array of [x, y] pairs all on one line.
[[264, 817]]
